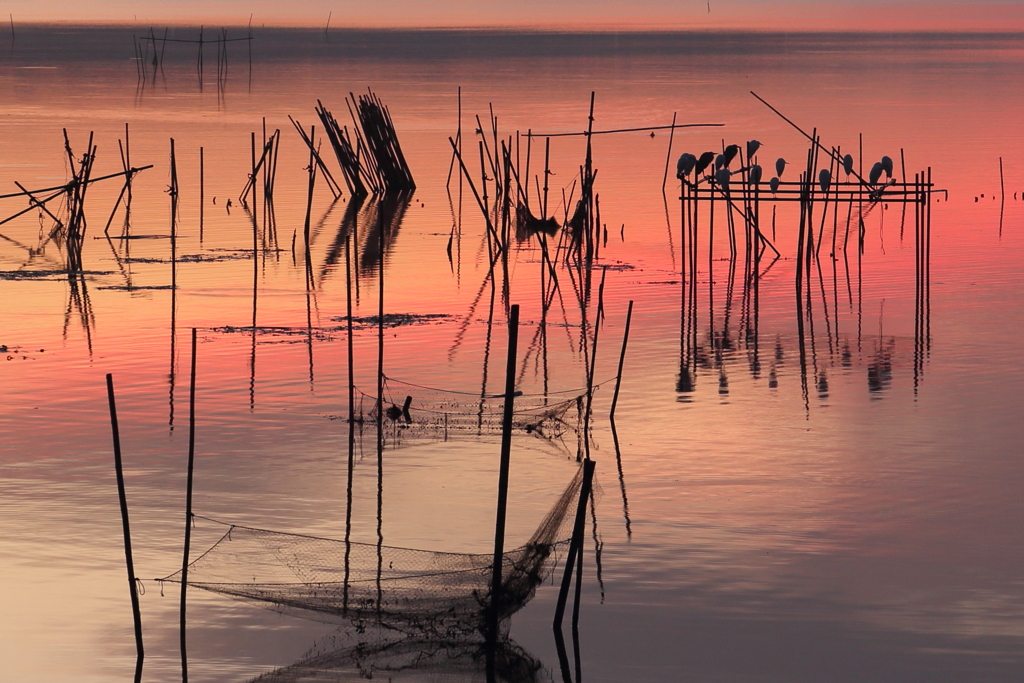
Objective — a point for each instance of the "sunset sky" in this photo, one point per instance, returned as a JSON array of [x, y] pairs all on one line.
[[883, 15]]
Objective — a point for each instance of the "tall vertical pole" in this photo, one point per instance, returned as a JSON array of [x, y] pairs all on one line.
[[576, 544], [380, 405], [188, 504], [132, 589], [506, 450], [202, 194]]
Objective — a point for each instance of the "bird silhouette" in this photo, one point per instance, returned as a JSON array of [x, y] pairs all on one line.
[[686, 163], [722, 176], [755, 174], [774, 184], [780, 166], [887, 166], [848, 164], [705, 160], [730, 153], [752, 147], [824, 179], [876, 173]]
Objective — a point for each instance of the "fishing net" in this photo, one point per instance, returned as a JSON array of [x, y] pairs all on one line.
[[353, 656], [418, 592], [414, 413]]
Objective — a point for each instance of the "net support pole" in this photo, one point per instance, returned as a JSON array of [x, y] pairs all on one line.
[[576, 544], [506, 449], [132, 588], [188, 505], [622, 360]]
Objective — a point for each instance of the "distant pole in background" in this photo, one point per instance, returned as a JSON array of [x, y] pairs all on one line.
[[132, 581]]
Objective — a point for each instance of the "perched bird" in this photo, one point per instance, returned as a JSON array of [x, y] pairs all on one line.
[[752, 147], [774, 184], [730, 153], [705, 160], [887, 166], [848, 164], [876, 173], [686, 163], [780, 166], [720, 162], [824, 179], [755, 174], [722, 176]]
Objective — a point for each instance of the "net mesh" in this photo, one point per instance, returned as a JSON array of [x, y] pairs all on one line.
[[418, 592], [413, 413], [349, 656]]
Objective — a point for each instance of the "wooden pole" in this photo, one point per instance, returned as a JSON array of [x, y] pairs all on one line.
[[132, 588], [188, 504], [202, 194], [506, 450], [576, 544], [380, 406], [622, 360], [309, 194], [668, 154]]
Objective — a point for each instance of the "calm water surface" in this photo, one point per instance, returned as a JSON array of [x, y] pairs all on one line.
[[866, 529]]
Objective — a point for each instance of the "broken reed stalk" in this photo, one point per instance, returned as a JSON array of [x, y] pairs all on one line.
[[126, 527], [506, 450], [576, 543], [622, 360], [188, 504]]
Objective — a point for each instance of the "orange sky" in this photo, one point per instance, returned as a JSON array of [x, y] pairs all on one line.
[[831, 15]]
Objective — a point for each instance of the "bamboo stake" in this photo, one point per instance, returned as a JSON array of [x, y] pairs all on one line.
[[188, 504], [202, 194], [622, 360], [506, 449], [132, 580], [575, 545]]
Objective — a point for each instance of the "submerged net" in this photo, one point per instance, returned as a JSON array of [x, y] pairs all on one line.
[[349, 656], [414, 413], [417, 592]]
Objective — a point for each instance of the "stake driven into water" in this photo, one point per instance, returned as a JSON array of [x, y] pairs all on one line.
[[506, 449], [622, 360], [132, 588], [188, 504], [576, 544]]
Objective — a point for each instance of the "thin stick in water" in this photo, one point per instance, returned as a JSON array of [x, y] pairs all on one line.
[[622, 360], [188, 504], [132, 588]]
